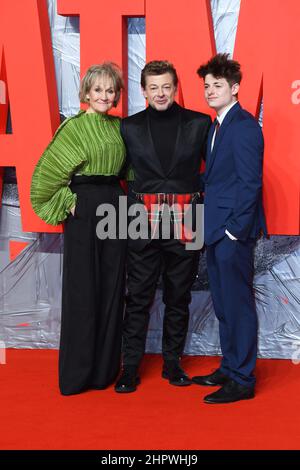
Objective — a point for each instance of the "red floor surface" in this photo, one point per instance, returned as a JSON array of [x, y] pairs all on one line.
[[33, 415]]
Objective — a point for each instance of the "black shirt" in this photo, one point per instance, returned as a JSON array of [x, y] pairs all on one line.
[[164, 128]]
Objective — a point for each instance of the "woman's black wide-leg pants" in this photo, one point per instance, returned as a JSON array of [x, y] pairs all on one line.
[[92, 293]]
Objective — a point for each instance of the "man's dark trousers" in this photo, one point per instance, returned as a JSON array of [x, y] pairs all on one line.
[[180, 268], [230, 270]]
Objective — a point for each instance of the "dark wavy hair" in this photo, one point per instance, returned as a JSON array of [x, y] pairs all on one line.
[[158, 67], [220, 66]]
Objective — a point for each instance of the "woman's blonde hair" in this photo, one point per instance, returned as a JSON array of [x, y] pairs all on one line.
[[107, 69]]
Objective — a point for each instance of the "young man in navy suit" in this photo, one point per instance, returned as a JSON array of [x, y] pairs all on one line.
[[233, 220]]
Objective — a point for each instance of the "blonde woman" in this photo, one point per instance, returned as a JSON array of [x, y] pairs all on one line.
[[77, 172]]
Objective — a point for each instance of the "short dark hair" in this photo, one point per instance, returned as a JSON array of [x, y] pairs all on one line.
[[158, 67], [220, 66]]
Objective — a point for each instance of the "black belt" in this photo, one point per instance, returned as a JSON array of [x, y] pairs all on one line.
[[95, 179]]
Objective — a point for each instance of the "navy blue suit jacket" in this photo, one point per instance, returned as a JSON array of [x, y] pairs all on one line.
[[233, 178]]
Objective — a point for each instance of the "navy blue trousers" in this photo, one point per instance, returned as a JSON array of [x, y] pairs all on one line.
[[230, 271]]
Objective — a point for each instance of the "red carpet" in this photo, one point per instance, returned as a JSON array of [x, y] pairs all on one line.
[[33, 415]]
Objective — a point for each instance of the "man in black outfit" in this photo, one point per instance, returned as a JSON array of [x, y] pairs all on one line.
[[164, 144]]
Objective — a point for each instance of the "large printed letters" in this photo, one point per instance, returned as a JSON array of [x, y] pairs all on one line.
[[27, 64], [266, 46]]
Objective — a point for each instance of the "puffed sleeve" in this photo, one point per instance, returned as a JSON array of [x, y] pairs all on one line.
[[127, 170], [51, 197]]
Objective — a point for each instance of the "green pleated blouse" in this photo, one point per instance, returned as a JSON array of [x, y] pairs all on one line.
[[84, 144]]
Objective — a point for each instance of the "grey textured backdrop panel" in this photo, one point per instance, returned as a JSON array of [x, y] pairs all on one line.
[[30, 286]]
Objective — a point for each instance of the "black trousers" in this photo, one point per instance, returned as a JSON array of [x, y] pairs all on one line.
[[180, 267], [92, 295]]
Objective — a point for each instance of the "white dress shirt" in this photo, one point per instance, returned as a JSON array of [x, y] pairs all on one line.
[[220, 119]]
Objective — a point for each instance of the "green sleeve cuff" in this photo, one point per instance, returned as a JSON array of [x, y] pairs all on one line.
[[130, 174]]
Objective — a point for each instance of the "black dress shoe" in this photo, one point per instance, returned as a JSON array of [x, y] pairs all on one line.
[[175, 374], [230, 392], [216, 378], [128, 381]]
